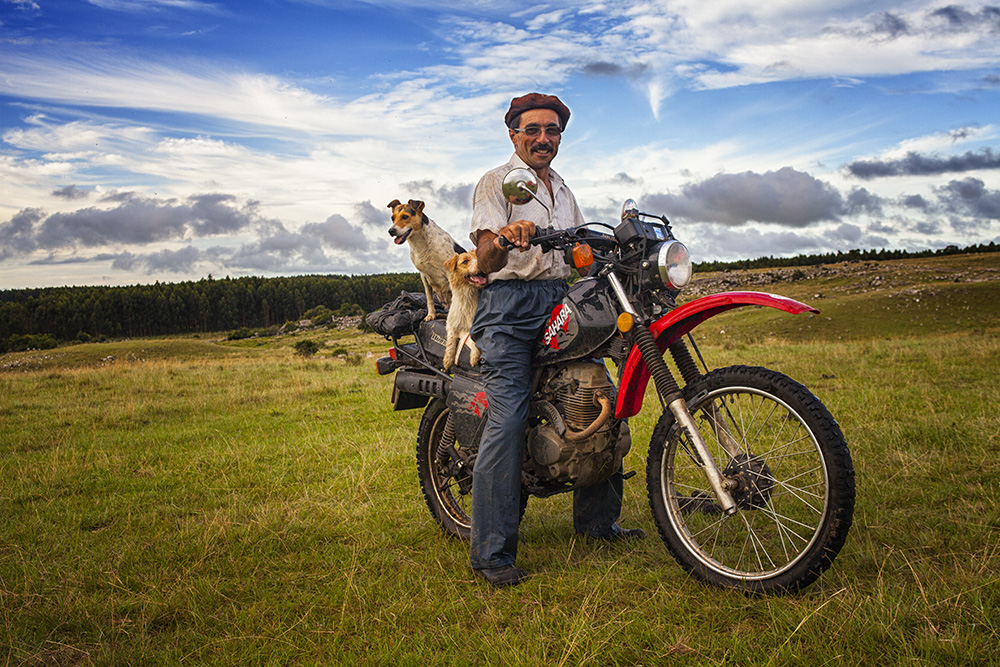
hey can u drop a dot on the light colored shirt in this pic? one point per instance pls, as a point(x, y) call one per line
point(491, 211)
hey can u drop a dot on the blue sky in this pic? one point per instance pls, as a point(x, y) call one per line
point(145, 140)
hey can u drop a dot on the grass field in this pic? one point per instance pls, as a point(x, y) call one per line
point(192, 501)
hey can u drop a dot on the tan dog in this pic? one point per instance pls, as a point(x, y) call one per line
point(430, 248)
point(466, 281)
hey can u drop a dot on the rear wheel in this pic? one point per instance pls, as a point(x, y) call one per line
point(790, 473)
point(445, 470)
point(445, 473)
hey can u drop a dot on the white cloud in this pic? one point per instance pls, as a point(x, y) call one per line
point(24, 4)
point(153, 5)
point(947, 141)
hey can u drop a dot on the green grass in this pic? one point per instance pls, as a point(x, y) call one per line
point(199, 502)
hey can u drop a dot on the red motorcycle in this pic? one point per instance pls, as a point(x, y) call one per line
point(748, 475)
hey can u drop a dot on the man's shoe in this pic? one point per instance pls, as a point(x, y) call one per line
point(619, 534)
point(506, 575)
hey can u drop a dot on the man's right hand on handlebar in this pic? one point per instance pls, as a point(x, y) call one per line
point(517, 233)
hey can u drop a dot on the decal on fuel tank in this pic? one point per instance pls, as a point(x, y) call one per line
point(558, 321)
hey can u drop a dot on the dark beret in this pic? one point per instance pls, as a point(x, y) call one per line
point(519, 105)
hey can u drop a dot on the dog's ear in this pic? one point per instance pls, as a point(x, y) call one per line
point(417, 206)
point(452, 262)
point(394, 203)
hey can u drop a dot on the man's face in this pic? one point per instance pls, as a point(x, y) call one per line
point(537, 152)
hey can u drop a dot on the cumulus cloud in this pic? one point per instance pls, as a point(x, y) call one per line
point(17, 236)
point(337, 233)
point(956, 17)
point(915, 201)
point(134, 220)
point(372, 216)
point(182, 260)
point(247, 241)
point(916, 164)
point(316, 247)
point(138, 220)
point(787, 197)
point(455, 196)
point(861, 200)
point(71, 192)
point(971, 196)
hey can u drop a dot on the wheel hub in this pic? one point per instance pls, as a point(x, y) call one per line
point(751, 481)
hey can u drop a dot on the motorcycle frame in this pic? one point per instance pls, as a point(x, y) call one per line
point(681, 320)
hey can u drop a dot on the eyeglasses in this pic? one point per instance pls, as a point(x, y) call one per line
point(534, 131)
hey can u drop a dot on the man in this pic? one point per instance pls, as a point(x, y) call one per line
point(524, 285)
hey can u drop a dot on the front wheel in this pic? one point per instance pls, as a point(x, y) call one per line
point(789, 471)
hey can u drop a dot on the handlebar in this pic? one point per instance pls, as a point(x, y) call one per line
point(550, 239)
point(546, 237)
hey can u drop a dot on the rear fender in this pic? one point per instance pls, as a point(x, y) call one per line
point(680, 321)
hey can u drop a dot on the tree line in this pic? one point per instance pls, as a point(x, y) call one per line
point(43, 317)
point(40, 318)
point(841, 256)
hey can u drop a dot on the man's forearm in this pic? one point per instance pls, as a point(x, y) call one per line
point(489, 255)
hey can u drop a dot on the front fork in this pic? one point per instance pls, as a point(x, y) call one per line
point(667, 387)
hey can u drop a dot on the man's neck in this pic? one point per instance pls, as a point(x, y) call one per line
point(543, 176)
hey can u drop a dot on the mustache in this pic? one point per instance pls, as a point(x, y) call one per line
point(542, 147)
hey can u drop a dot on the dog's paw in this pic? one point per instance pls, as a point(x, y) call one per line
point(430, 317)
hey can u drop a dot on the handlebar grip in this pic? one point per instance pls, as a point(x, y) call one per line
point(505, 242)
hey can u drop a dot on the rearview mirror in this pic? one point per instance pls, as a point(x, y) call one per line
point(520, 186)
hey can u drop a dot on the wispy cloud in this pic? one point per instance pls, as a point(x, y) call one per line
point(154, 5)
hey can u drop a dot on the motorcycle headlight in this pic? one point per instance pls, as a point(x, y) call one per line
point(673, 262)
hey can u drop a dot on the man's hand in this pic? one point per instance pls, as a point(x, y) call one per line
point(491, 255)
point(519, 233)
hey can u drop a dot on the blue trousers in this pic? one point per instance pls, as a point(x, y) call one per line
point(507, 327)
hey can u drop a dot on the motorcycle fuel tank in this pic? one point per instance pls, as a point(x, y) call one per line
point(586, 318)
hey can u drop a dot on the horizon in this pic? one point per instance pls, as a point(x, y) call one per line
point(167, 140)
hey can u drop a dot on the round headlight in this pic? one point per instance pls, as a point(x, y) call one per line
point(674, 264)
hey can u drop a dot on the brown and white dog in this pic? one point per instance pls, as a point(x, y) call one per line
point(430, 248)
point(466, 281)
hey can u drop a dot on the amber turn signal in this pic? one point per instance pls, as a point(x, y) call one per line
point(583, 256)
point(625, 322)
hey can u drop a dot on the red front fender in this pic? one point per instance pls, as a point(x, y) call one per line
point(678, 322)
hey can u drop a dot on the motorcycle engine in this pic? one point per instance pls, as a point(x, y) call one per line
point(575, 440)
